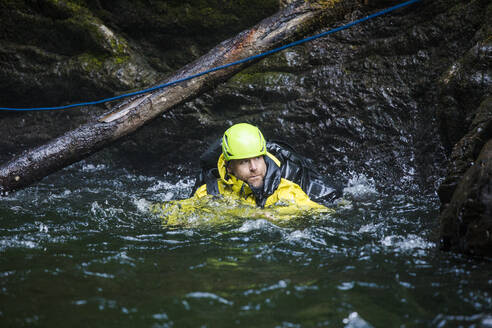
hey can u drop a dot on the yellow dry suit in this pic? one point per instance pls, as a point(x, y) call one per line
point(285, 195)
point(279, 200)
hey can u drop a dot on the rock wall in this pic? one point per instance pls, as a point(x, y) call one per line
point(56, 52)
point(465, 118)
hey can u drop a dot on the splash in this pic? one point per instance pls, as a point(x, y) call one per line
point(360, 186)
point(410, 243)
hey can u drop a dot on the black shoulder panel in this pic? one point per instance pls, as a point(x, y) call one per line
point(300, 170)
point(213, 187)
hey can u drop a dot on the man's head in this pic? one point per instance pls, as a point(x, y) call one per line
point(243, 147)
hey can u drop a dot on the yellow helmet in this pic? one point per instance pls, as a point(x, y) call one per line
point(243, 140)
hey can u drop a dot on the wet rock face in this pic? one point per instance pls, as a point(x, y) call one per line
point(467, 149)
point(463, 87)
point(362, 100)
point(465, 118)
point(54, 52)
point(466, 221)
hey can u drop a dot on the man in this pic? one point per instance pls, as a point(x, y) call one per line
point(252, 175)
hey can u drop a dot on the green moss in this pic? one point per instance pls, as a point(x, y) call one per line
point(68, 7)
point(325, 4)
point(93, 35)
point(120, 60)
point(263, 79)
point(90, 62)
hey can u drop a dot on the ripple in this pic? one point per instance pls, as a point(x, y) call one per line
point(259, 224)
point(17, 242)
point(88, 226)
point(281, 284)
point(210, 296)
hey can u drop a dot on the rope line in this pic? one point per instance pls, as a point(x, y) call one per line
point(261, 55)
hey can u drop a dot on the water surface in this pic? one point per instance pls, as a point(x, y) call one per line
point(80, 249)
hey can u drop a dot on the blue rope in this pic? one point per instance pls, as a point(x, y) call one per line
point(267, 53)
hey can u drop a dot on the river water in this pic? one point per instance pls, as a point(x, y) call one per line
point(80, 249)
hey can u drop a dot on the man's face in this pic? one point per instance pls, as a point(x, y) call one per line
point(251, 170)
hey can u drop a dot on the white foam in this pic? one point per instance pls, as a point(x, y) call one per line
point(301, 237)
point(260, 224)
point(370, 228)
point(360, 185)
point(142, 205)
point(346, 285)
point(160, 316)
point(487, 322)
point(354, 320)
point(410, 242)
point(42, 227)
point(160, 185)
point(93, 168)
point(16, 243)
point(99, 274)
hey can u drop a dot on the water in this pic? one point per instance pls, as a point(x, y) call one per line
point(80, 249)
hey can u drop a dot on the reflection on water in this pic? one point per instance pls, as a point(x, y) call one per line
point(81, 248)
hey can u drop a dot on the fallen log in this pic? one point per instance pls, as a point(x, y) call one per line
point(126, 117)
